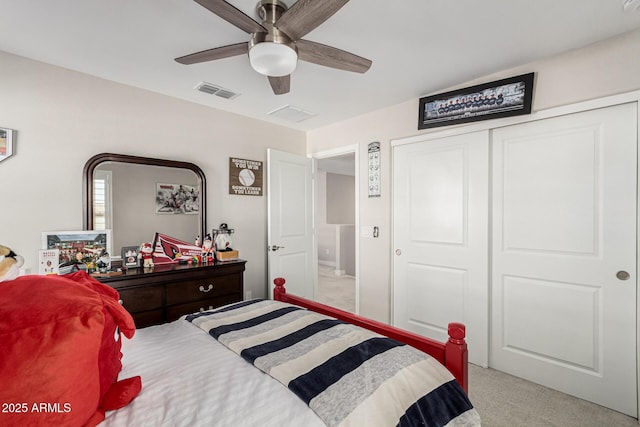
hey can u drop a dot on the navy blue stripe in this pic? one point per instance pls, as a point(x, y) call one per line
point(438, 407)
point(229, 307)
point(314, 382)
point(252, 353)
point(220, 330)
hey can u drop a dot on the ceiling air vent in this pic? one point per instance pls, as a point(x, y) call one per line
point(216, 90)
point(291, 113)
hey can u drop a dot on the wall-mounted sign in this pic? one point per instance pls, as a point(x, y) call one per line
point(374, 169)
point(245, 177)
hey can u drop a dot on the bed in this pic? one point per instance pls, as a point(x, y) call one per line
point(191, 378)
point(282, 362)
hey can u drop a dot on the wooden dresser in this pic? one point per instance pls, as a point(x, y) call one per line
point(167, 292)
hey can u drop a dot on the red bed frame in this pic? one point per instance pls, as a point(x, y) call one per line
point(452, 354)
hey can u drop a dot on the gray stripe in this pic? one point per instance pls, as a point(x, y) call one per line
point(236, 311)
point(332, 406)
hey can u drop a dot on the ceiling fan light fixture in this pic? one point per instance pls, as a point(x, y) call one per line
point(273, 59)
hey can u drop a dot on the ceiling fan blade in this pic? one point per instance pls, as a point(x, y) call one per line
point(331, 57)
point(232, 15)
point(215, 53)
point(305, 15)
point(280, 85)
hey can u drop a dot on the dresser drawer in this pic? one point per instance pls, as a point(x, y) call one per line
point(206, 288)
point(175, 311)
point(141, 299)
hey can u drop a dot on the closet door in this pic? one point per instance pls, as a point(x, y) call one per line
point(564, 254)
point(440, 223)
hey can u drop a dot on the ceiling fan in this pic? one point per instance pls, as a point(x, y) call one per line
point(276, 44)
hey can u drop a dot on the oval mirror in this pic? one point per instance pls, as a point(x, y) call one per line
point(136, 197)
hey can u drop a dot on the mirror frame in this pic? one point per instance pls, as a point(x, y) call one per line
point(95, 161)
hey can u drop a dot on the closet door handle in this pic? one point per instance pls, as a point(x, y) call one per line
point(623, 275)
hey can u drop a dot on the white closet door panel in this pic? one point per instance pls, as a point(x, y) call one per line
point(564, 224)
point(440, 220)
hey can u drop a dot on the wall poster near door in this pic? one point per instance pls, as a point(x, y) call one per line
point(374, 169)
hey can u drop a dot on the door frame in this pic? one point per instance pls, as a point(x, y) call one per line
point(347, 149)
point(608, 101)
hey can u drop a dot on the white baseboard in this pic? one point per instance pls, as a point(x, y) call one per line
point(327, 263)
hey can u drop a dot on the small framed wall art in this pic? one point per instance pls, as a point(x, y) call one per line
point(245, 177)
point(373, 151)
point(177, 199)
point(6, 143)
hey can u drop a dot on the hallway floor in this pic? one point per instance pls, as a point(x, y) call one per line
point(336, 291)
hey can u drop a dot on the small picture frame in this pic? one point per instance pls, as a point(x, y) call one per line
point(130, 256)
point(6, 143)
point(49, 261)
point(75, 246)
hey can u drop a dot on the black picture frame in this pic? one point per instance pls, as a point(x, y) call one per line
point(130, 256)
point(501, 98)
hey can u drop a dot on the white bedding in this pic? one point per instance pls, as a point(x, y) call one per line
point(190, 379)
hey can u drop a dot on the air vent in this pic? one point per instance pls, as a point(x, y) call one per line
point(216, 90)
point(291, 113)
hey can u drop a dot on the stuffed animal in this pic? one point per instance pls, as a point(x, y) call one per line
point(61, 342)
point(146, 254)
point(10, 264)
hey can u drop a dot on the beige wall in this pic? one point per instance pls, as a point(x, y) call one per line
point(342, 192)
point(63, 118)
point(602, 69)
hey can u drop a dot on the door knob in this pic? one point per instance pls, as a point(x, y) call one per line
point(623, 275)
point(274, 247)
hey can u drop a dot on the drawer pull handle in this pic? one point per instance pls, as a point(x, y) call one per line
point(120, 302)
point(203, 309)
point(209, 288)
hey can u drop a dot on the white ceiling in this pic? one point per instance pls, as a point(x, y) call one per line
point(417, 47)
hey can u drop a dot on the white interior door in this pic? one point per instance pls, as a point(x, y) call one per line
point(564, 254)
point(440, 225)
point(290, 222)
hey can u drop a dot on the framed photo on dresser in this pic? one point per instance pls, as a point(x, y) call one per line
point(130, 256)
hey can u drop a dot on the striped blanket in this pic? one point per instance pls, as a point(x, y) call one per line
point(348, 375)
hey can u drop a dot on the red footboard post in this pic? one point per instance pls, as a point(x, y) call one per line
point(456, 354)
point(279, 290)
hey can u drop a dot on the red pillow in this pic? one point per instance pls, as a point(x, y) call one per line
point(61, 351)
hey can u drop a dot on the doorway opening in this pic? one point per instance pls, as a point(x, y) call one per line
point(336, 225)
